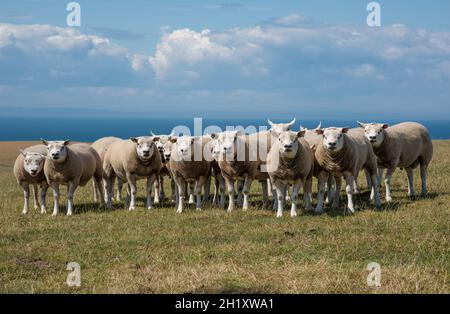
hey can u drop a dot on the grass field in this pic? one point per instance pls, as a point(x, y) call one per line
point(158, 251)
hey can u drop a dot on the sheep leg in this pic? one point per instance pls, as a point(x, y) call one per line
point(270, 187)
point(265, 193)
point(322, 178)
point(128, 197)
point(109, 188)
point(307, 194)
point(355, 185)
point(94, 187)
point(155, 184)
point(150, 182)
point(337, 192)
point(380, 176)
point(387, 182)
point(191, 193)
point(230, 188)
point(423, 177)
point(280, 188)
point(222, 192)
point(368, 178)
point(132, 186)
point(99, 183)
point(199, 184)
point(375, 194)
point(410, 174)
point(240, 186)
point(174, 191)
point(55, 188)
point(119, 190)
point(215, 199)
point(275, 198)
point(35, 196)
point(349, 179)
point(70, 191)
point(181, 184)
point(44, 188)
point(295, 189)
point(207, 188)
point(162, 194)
point(331, 185)
point(26, 197)
point(246, 191)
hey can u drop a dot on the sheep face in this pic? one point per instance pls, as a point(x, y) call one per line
point(288, 143)
point(184, 146)
point(33, 163)
point(333, 138)
point(167, 150)
point(57, 150)
point(229, 144)
point(145, 146)
point(215, 149)
point(374, 132)
point(161, 140)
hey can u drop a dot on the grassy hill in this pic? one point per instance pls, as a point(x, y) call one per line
point(154, 251)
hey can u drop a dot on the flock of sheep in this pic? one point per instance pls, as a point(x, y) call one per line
point(277, 158)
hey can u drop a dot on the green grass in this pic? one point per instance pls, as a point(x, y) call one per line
point(158, 251)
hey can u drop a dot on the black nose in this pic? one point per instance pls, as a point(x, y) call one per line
point(332, 144)
point(146, 152)
point(55, 155)
point(33, 171)
point(288, 146)
point(372, 138)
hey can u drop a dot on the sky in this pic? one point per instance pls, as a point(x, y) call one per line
point(313, 59)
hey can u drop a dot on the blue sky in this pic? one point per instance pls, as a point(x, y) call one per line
point(316, 59)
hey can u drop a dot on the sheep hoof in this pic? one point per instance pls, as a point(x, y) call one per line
point(150, 207)
point(43, 210)
point(199, 209)
point(388, 199)
point(24, 212)
point(293, 215)
point(179, 211)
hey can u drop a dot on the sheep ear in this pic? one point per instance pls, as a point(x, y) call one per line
point(151, 133)
point(345, 130)
point(290, 124)
point(301, 133)
point(213, 135)
point(237, 133)
point(362, 125)
point(192, 140)
point(134, 139)
point(302, 128)
point(171, 134)
point(44, 142)
point(66, 142)
point(319, 131)
point(22, 152)
point(319, 126)
point(173, 139)
point(385, 126)
point(156, 138)
point(270, 122)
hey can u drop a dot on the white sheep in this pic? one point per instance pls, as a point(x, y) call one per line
point(131, 160)
point(291, 161)
point(404, 145)
point(28, 170)
point(341, 154)
point(72, 165)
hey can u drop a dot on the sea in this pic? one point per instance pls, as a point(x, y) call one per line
point(89, 129)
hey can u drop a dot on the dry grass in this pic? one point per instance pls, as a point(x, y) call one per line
point(212, 251)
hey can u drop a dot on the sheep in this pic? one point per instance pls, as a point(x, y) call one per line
point(72, 165)
point(344, 153)
point(219, 186)
point(159, 183)
point(188, 164)
point(404, 145)
point(291, 161)
point(100, 146)
point(239, 160)
point(28, 169)
point(131, 160)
